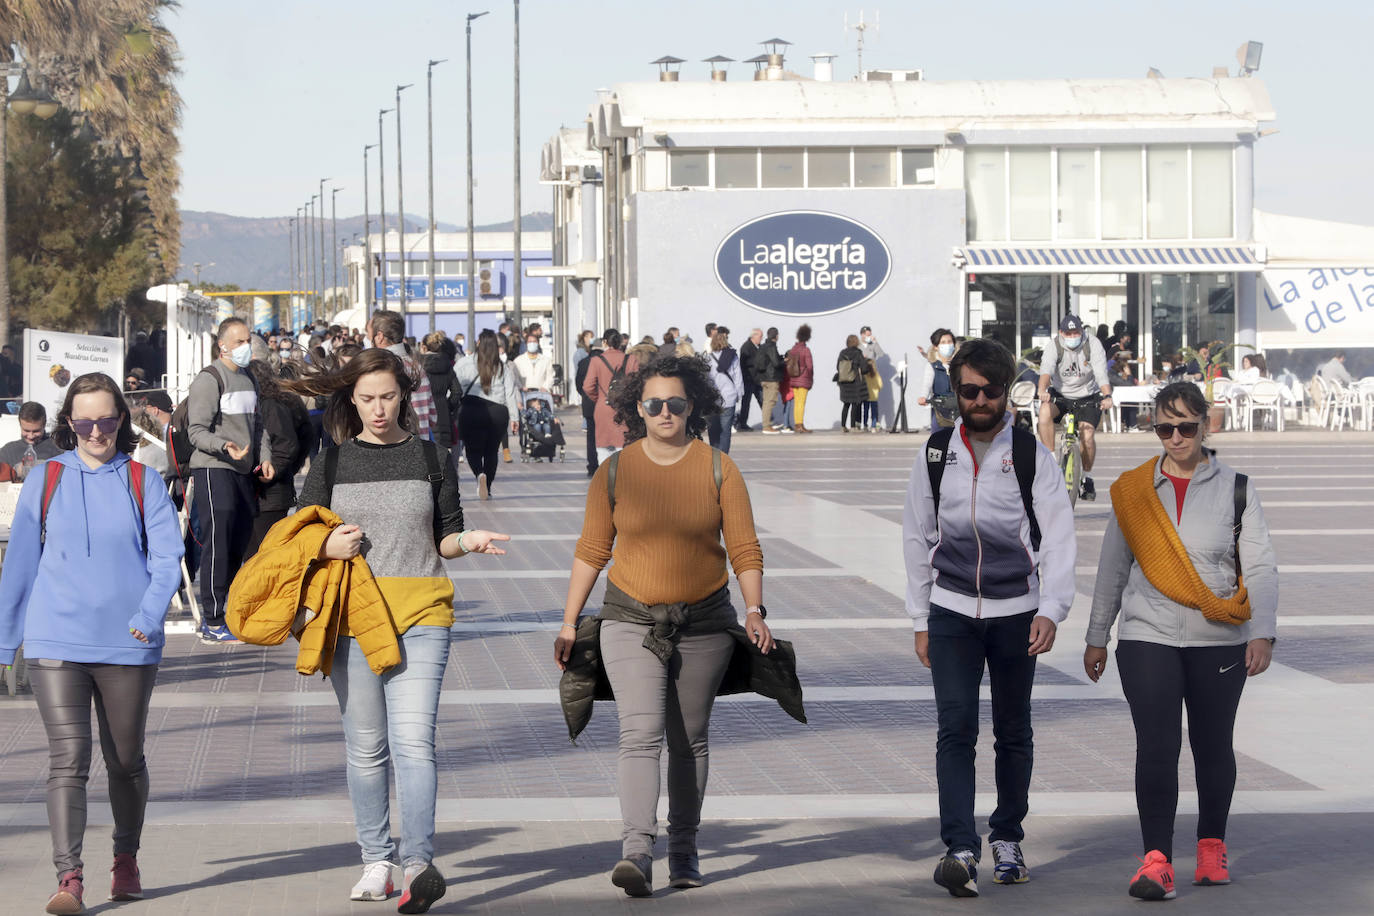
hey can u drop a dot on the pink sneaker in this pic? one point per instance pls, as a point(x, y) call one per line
point(124, 882)
point(67, 900)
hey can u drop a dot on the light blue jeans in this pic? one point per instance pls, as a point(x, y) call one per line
point(393, 712)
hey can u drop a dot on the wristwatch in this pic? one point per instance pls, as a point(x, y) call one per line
point(760, 610)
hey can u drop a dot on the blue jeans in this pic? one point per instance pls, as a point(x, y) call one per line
point(721, 426)
point(959, 648)
point(395, 711)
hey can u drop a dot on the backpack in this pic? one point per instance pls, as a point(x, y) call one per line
point(179, 447)
point(52, 474)
point(617, 377)
point(792, 362)
point(613, 463)
point(725, 359)
point(847, 373)
point(1022, 458)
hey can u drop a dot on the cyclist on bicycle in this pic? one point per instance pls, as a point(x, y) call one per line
point(1075, 370)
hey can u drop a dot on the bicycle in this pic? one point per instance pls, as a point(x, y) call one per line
point(1067, 450)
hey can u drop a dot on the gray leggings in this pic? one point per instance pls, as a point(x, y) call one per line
point(652, 700)
point(64, 691)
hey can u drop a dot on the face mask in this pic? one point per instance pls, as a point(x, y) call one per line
point(1166, 368)
point(241, 355)
point(1073, 343)
point(531, 347)
point(868, 338)
point(946, 350)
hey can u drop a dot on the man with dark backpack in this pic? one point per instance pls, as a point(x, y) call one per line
point(989, 544)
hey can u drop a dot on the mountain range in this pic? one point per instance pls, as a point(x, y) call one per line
point(255, 253)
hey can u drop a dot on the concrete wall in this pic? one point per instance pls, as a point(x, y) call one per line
point(676, 234)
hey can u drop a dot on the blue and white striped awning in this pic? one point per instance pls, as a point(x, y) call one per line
point(1109, 259)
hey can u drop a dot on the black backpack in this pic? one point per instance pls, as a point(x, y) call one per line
point(1022, 459)
point(179, 447)
point(617, 378)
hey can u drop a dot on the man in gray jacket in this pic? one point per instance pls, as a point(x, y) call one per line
point(226, 431)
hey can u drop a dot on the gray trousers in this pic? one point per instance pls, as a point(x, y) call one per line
point(64, 691)
point(654, 700)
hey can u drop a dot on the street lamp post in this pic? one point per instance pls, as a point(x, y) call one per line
point(429, 104)
point(324, 267)
point(472, 269)
point(299, 308)
point(334, 235)
point(310, 259)
point(291, 285)
point(24, 100)
point(515, 282)
point(401, 203)
point(368, 295)
point(381, 191)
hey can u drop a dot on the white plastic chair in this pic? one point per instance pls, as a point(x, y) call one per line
point(1344, 402)
point(1266, 394)
point(1023, 400)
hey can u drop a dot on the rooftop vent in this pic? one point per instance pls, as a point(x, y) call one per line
point(717, 66)
point(760, 66)
point(893, 76)
point(775, 47)
point(668, 67)
point(824, 66)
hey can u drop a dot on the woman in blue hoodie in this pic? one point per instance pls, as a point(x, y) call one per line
point(96, 533)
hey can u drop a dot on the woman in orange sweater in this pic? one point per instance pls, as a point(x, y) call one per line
point(659, 511)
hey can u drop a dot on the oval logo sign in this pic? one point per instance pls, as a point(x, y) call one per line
point(802, 262)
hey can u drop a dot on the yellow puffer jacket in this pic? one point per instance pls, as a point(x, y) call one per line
point(286, 590)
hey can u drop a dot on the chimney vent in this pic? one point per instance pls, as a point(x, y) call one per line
point(824, 63)
point(760, 66)
point(668, 67)
point(775, 47)
point(717, 66)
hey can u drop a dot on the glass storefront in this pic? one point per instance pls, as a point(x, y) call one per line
point(1189, 309)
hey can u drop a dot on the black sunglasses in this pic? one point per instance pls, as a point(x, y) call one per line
point(1166, 430)
point(654, 406)
point(84, 428)
point(992, 392)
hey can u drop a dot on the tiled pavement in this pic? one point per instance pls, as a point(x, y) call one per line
point(249, 810)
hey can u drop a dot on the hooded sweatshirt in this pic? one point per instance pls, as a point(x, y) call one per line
point(76, 597)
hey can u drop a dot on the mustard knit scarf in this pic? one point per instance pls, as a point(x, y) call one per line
point(1162, 557)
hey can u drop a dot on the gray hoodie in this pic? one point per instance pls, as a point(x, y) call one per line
point(1205, 529)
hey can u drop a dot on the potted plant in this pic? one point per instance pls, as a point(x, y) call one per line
point(1216, 363)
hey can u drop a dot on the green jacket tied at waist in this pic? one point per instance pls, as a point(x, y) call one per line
point(750, 671)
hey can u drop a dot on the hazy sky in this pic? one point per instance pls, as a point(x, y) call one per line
point(280, 94)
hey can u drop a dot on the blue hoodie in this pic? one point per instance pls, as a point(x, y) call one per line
point(77, 597)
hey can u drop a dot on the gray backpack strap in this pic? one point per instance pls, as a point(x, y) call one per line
point(716, 469)
point(611, 464)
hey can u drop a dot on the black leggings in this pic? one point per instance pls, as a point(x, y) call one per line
point(1158, 682)
point(483, 425)
point(851, 415)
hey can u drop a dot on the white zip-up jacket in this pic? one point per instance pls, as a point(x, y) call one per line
point(976, 559)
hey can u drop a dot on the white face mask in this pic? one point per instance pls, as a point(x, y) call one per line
point(868, 338)
point(531, 347)
point(1166, 368)
point(1073, 343)
point(946, 350)
point(241, 355)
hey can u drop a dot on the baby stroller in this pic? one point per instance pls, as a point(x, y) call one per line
point(541, 433)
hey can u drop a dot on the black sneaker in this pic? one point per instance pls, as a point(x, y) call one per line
point(684, 870)
point(958, 873)
point(1089, 491)
point(634, 875)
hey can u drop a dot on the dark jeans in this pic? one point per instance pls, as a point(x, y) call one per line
point(227, 505)
point(851, 415)
point(960, 647)
point(753, 391)
point(1158, 682)
point(261, 525)
point(719, 429)
point(592, 461)
point(483, 425)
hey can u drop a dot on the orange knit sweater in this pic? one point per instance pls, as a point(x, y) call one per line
point(665, 536)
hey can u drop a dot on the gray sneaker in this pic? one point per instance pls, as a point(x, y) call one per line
point(958, 873)
point(634, 875)
point(1008, 865)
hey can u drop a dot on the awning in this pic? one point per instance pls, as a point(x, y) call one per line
point(1109, 258)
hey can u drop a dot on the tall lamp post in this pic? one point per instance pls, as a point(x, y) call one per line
point(368, 296)
point(24, 100)
point(324, 268)
point(515, 284)
point(333, 236)
point(429, 104)
point(401, 203)
point(381, 191)
point(310, 259)
point(291, 285)
point(299, 308)
point(472, 268)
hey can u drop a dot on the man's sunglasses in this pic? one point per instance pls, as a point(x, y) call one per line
point(654, 406)
point(84, 428)
point(1166, 430)
point(992, 392)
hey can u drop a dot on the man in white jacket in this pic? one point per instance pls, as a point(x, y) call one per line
point(989, 544)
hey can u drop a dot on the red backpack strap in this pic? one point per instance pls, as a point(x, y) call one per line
point(52, 473)
point(136, 470)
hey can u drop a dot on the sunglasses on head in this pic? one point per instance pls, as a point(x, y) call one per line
point(992, 392)
point(1166, 430)
point(654, 406)
point(84, 428)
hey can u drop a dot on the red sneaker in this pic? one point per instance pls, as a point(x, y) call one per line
point(1155, 878)
point(1212, 867)
point(124, 882)
point(67, 900)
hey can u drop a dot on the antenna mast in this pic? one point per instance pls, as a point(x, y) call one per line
point(860, 28)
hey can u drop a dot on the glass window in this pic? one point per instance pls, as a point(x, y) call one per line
point(1166, 315)
point(1030, 193)
point(1212, 208)
point(1036, 301)
point(737, 168)
point(782, 168)
point(1211, 313)
point(873, 168)
point(454, 269)
point(1077, 205)
point(918, 166)
point(992, 308)
point(1166, 193)
point(985, 183)
point(827, 168)
point(417, 267)
point(1122, 207)
point(689, 168)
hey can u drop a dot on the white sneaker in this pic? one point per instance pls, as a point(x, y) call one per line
point(375, 884)
point(787, 430)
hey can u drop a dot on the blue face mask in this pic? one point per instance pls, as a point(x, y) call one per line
point(1073, 343)
point(947, 350)
point(241, 355)
point(531, 347)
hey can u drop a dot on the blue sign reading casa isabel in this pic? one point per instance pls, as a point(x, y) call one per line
point(802, 262)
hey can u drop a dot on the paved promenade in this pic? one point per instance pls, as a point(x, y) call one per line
point(249, 809)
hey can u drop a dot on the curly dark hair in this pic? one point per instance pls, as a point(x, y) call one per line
point(696, 382)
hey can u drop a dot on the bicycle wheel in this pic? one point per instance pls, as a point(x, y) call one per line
point(1069, 464)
